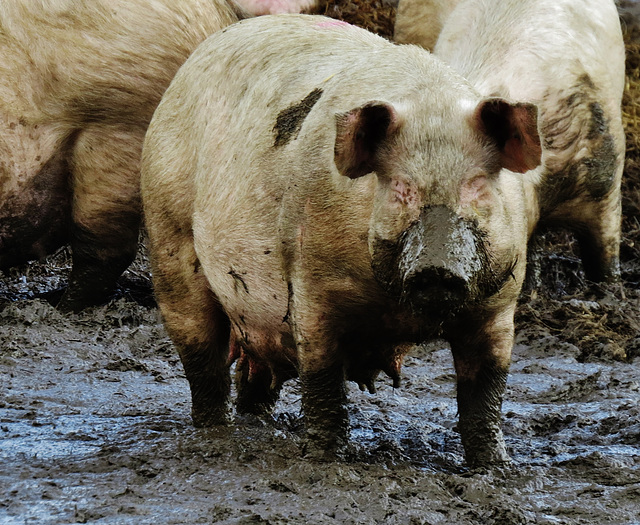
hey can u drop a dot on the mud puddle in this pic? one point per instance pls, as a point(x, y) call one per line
point(95, 428)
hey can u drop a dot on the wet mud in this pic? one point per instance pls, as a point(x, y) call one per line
point(95, 424)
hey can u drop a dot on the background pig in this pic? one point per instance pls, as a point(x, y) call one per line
point(420, 22)
point(273, 7)
point(568, 57)
point(274, 242)
point(79, 81)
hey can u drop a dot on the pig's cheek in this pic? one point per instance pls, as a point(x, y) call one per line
point(397, 206)
point(404, 202)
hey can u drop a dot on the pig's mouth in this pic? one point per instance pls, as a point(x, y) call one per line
point(438, 294)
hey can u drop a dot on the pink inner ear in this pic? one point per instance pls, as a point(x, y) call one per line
point(359, 135)
point(514, 156)
point(514, 129)
point(523, 147)
point(349, 148)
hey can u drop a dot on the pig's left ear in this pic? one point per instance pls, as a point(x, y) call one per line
point(360, 133)
point(514, 129)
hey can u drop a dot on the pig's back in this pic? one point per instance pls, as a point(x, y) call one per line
point(531, 43)
point(98, 60)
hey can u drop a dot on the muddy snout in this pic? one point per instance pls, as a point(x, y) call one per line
point(440, 261)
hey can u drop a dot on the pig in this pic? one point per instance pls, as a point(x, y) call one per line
point(274, 7)
point(79, 81)
point(420, 22)
point(310, 216)
point(567, 57)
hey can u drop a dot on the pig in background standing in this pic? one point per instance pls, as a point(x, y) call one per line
point(567, 56)
point(275, 7)
point(310, 215)
point(79, 81)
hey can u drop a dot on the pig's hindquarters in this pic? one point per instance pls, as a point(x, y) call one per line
point(235, 229)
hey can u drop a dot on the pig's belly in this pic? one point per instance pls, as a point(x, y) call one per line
point(244, 271)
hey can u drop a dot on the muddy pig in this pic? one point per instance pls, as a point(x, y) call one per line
point(310, 215)
point(568, 57)
point(79, 81)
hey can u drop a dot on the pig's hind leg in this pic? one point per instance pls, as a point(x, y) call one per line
point(196, 322)
point(105, 167)
point(599, 230)
point(257, 387)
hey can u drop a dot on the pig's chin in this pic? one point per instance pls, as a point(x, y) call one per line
point(434, 305)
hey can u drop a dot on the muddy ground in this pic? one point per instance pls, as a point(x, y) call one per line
point(95, 426)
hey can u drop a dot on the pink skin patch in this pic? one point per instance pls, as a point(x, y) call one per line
point(474, 191)
point(333, 23)
point(404, 193)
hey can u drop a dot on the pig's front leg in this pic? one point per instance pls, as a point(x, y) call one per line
point(324, 404)
point(324, 394)
point(481, 358)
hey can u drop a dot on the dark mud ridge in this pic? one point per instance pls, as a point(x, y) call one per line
point(95, 428)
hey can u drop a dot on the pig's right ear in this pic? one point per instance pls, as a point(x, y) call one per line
point(360, 133)
point(513, 127)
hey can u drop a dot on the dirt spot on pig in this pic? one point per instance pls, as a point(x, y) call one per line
point(290, 120)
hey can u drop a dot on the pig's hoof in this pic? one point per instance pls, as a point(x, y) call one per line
point(489, 459)
point(73, 303)
point(204, 419)
point(313, 453)
point(323, 450)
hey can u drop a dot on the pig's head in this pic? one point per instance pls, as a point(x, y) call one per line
point(441, 235)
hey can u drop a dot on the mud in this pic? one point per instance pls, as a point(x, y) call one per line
point(95, 424)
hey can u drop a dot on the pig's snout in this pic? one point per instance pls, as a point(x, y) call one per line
point(436, 287)
point(441, 258)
